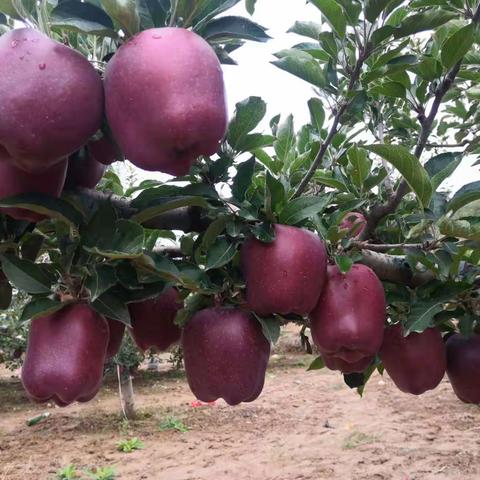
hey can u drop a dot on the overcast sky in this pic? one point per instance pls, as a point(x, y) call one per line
point(284, 93)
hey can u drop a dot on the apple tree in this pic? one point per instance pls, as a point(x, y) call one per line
point(347, 225)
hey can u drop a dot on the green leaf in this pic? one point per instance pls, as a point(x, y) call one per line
point(429, 69)
point(467, 194)
point(102, 278)
point(276, 192)
point(263, 231)
point(333, 14)
point(317, 364)
point(459, 229)
point(317, 113)
point(213, 231)
point(410, 168)
point(40, 307)
point(152, 13)
point(243, 179)
point(326, 178)
point(109, 305)
point(306, 29)
point(422, 315)
point(344, 263)
point(285, 139)
point(441, 166)
point(254, 141)
point(165, 206)
point(390, 89)
point(270, 328)
point(250, 6)
point(428, 20)
point(359, 165)
point(26, 275)
point(248, 114)
point(302, 208)
point(457, 45)
point(82, 17)
point(226, 28)
point(373, 9)
point(125, 13)
point(220, 253)
point(302, 65)
point(45, 205)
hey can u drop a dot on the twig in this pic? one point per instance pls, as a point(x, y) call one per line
point(383, 248)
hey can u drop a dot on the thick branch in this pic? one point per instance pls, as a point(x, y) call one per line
point(187, 219)
point(334, 128)
point(393, 268)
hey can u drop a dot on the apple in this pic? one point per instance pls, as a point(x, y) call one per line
point(102, 151)
point(165, 99)
point(354, 223)
point(14, 181)
point(83, 171)
point(415, 363)
point(65, 355)
point(286, 275)
point(153, 321)
point(463, 366)
point(348, 321)
point(51, 99)
point(116, 330)
point(225, 355)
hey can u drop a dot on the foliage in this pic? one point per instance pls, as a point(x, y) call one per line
point(173, 423)
point(130, 445)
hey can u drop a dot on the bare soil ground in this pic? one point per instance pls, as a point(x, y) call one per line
point(305, 426)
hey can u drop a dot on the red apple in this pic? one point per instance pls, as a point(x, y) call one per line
point(286, 275)
point(51, 99)
point(354, 223)
point(165, 99)
point(415, 363)
point(153, 321)
point(225, 355)
point(347, 323)
point(65, 355)
point(102, 150)
point(463, 366)
point(14, 181)
point(83, 171)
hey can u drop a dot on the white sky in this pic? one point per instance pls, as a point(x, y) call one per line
point(284, 93)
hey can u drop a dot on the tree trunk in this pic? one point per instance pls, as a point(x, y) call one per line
point(125, 389)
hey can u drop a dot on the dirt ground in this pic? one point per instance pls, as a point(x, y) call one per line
point(305, 426)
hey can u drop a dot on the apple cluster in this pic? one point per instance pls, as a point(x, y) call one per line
point(162, 95)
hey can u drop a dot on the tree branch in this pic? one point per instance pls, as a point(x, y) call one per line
point(383, 248)
point(363, 55)
point(187, 219)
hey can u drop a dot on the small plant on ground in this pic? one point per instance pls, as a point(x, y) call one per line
point(130, 445)
point(173, 423)
point(67, 473)
point(102, 473)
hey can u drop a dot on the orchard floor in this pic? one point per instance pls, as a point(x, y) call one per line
point(305, 426)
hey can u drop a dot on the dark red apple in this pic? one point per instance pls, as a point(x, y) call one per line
point(14, 181)
point(153, 321)
point(354, 223)
point(463, 366)
point(102, 150)
point(225, 355)
point(65, 355)
point(415, 363)
point(116, 330)
point(286, 275)
point(51, 99)
point(348, 322)
point(83, 171)
point(165, 99)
